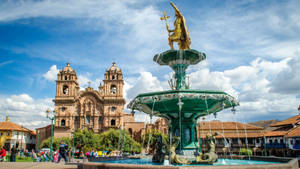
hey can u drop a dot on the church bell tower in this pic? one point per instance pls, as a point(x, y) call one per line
point(67, 88)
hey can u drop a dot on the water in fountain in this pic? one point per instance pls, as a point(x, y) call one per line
point(226, 144)
point(150, 134)
point(236, 127)
point(246, 141)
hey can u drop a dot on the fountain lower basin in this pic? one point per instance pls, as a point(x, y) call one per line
point(238, 162)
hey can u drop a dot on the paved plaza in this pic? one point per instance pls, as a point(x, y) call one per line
point(35, 165)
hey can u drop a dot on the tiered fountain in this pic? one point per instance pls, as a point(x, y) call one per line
point(182, 106)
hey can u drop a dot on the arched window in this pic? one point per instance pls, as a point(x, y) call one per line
point(113, 77)
point(130, 131)
point(65, 89)
point(113, 89)
point(113, 122)
point(63, 109)
point(66, 78)
point(88, 119)
point(113, 109)
point(63, 122)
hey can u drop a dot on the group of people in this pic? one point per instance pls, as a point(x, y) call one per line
point(40, 156)
point(44, 156)
point(13, 153)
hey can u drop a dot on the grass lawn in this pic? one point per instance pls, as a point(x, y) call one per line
point(21, 159)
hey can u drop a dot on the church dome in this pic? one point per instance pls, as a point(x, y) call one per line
point(114, 67)
point(67, 68)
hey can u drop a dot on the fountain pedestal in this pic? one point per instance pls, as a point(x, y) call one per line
point(181, 105)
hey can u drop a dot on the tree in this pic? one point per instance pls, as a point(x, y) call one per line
point(56, 142)
point(153, 135)
point(86, 139)
point(111, 140)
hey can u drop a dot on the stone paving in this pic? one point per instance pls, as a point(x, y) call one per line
point(36, 165)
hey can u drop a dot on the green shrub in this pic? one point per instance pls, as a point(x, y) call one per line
point(245, 151)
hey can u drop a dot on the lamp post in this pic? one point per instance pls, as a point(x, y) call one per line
point(73, 151)
point(37, 144)
point(21, 153)
point(51, 116)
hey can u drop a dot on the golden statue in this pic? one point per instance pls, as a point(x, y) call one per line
point(180, 33)
point(2, 140)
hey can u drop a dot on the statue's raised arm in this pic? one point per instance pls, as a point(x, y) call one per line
point(180, 34)
point(176, 9)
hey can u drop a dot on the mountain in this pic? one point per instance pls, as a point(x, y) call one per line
point(265, 124)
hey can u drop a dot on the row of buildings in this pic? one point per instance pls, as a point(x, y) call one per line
point(283, 140)
point(103, 108)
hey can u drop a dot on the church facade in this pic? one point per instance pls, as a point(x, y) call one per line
point(96, 110)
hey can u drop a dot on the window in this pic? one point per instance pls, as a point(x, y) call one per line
point(276, 141)
point(113, 109)
point(88, 119)
point(270, 141)
point(257, 141)
point(281, 141)
point(130, 131)
point(113, 89)
point(63, 109)
point(66, 78)
point(63, 122)
point(113, 122)
point(113, 77)
point(187, 135)
point(65, 89)
point(291, 141)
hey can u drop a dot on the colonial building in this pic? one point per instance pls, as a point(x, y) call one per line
point(17, 135)
point(285, 139)
point(92, 109)
point(232, 136)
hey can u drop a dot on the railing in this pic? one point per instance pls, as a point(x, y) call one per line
point(296, 146)
point(275, 145)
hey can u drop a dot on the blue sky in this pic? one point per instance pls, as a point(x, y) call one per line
point(252, 50)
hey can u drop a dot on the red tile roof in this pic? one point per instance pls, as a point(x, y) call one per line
point(235, 134)
point(10, 126)
point(290, 121)
point(274, 133)
point(207, 125)
point(294, 132)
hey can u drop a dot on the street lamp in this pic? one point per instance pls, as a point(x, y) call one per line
point(21, 153)
point(51, 115)
point(73, 151)
point(37, 147)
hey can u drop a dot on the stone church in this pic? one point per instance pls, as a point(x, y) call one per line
point(96, 110)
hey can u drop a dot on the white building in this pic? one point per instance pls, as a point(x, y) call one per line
point(17, 135)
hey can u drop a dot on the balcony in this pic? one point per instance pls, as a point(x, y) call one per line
point(296, 146)
point(276, 145)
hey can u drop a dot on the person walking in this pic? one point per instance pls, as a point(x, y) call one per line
point(13, 153)
point(2, 154)
point(63, 152)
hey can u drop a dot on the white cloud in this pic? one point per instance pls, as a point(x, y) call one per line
point(83, 81)
point(288, 80)
point(24, 110)
point(146, 82)
point(51, 75)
